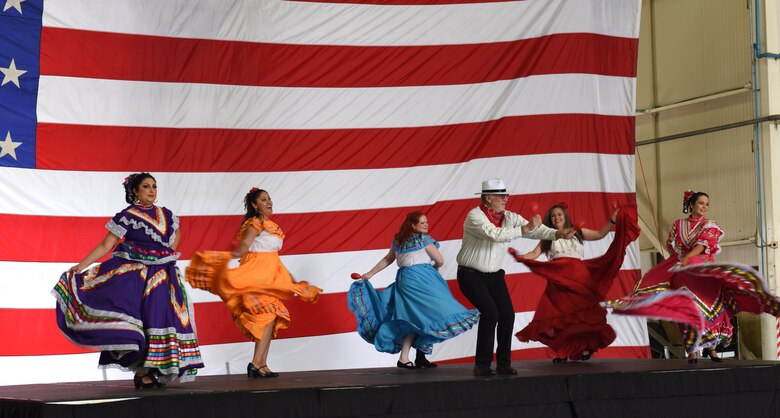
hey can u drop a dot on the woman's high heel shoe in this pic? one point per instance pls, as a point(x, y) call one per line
point(255, 372)
point(147, 381)
point(267, 372)
point(252, 371)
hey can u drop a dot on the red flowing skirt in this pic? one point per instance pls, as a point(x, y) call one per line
point(569, 318)
point(701, 297)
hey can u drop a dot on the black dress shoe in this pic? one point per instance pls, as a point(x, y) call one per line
point(424, 363)
point(506, 371)
point(407, 365)
point(560, 360)
point(483, 371)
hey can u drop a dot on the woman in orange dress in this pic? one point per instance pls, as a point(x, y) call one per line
point(253, 291)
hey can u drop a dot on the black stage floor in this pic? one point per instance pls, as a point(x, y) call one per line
point(597, 388)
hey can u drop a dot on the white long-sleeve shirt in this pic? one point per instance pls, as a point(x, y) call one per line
point(485, 245)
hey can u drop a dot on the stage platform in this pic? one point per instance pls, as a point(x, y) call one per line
point(597, 388)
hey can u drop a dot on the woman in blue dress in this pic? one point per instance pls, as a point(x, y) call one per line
point(417, 310)
point(133, 307)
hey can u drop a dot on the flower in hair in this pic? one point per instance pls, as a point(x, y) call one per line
point(563, 205)
point(688, 194)
point(253, 189)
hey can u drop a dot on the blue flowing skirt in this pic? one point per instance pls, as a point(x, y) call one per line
point(418, 303)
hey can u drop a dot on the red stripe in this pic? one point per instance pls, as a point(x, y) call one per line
point(323, 232)
point(329, 316)
point(111, 148)
point(103, 55)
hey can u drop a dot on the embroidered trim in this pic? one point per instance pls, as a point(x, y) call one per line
point(155, 281)
point(261, 225)
point(115, 229)
point(414, 243)
point(149, 231)
point(87, 318)
point(160, 223)
point(683, 237)
point(171, 351)
point(181, 310)
point(165, 260)
point(190, 305)
point(91, 280)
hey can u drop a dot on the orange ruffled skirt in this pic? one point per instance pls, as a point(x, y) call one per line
point(253, 291)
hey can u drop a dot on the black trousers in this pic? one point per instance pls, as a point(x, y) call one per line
point(488, 293)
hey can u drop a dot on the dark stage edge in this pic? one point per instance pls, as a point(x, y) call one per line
point(597, 388)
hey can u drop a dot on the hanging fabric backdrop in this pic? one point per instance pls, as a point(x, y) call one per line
point(349, 114)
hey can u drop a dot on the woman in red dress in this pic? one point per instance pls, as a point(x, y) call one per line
point(569, 318)
point(691, 289)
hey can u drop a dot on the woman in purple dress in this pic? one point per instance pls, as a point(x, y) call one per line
point(133, 307)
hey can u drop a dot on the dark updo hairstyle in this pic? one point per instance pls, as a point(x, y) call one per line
point(406, 231)
point(545, 245)
point(250, 198)
point(132, 182)
point(689, 199)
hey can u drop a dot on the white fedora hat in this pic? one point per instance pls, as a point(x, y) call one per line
point(493, 186)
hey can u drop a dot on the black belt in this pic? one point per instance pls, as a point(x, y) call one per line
point(470, 270)
point(474, 271)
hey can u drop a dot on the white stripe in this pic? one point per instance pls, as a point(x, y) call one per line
point(87, 101)
point(27, 285)
point(328, 352)
point(347, 24)
point(100, 194)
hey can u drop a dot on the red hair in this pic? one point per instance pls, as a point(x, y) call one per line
point(407, 227)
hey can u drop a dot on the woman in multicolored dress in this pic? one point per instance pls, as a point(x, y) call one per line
point(253, 291)
point(133, 307)
point(417, 310)
point(690, 288)
point(568, 318)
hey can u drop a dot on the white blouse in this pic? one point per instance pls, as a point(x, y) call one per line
point(412, 258)
point(266, 243)
point(566, 248)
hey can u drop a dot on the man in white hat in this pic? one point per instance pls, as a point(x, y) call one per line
point(487, 232)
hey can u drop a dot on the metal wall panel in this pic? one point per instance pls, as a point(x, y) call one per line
point(688, 50)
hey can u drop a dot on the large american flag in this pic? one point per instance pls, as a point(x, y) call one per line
point(350, 113)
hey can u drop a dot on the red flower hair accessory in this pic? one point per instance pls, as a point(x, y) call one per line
point(687, 195)
point(563, 205)
point(253, 189)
